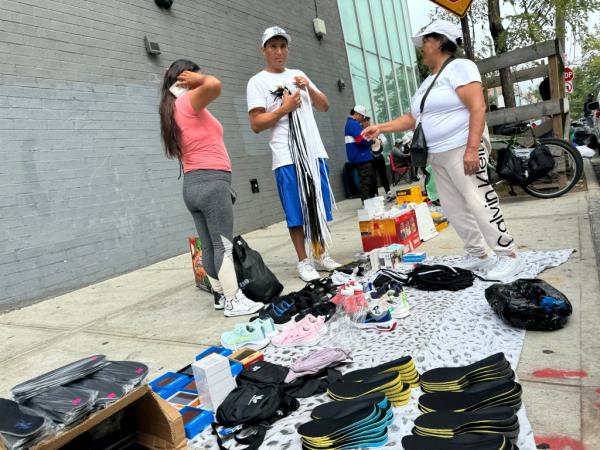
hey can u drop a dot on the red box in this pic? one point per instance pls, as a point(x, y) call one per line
point(377, 233)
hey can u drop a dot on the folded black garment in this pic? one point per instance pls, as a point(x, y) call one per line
point(499, 420)
point(127, 373)
point(482, 395)
point(461, 442)
point(107, 391)
point(64, 405)
point(58, 377)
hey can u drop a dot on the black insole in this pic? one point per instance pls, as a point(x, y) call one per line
point(508, 392)
point(124, 372)
point(445, 420)
point(461, 442)
point(108, 391)
point(377, 383)
point(15, 422)
point(400, 364)
point(335, 428)
point(58, 377)
point(338, 409)
point(446, 374)
point(64, 404)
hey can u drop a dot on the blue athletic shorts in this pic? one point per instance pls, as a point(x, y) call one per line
point(287, 186)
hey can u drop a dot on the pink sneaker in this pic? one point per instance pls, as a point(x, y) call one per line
point(305, 333)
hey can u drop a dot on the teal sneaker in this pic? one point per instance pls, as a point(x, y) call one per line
point(267, 324)
point(249, 335)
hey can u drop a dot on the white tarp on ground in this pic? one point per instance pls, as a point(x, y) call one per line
point(444, 329)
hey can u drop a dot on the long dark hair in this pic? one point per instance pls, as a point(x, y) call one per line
point(168, 127)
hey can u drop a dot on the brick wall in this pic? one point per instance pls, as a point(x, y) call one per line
point(85, 191)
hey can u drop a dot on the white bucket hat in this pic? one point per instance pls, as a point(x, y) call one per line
point(443, 27)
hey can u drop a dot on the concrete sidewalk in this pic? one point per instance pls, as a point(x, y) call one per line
point(157, 315)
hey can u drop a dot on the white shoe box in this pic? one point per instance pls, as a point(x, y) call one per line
point(213, 380)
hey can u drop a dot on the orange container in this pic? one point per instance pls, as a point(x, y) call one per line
point(377, 233)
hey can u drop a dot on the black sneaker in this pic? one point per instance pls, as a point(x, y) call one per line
point(219, 300)
point(281, 312)
point(325, 309)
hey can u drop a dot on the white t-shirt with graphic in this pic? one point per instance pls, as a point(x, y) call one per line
point(445, 117)
point(259, 95)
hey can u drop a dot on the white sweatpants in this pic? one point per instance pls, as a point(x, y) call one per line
point(471, 203)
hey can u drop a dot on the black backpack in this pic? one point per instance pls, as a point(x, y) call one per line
point(253, 405)
point(440, 278)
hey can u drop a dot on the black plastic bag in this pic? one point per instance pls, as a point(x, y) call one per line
point(511, 167)
point(540, 163)
point(256, 280)
point(531, 304)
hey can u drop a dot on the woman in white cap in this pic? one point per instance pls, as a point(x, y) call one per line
point(452, 118)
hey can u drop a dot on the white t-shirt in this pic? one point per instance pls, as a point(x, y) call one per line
point(258, 94)
point(445, 118)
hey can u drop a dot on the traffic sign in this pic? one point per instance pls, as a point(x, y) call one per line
point(458, 7)
point(569, 74)
point(568, 87)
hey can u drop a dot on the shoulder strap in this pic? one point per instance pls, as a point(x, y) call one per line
point(448, 61)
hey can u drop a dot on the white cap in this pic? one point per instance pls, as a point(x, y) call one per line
point(274, 31)
point(443, 27)
point(360, 109)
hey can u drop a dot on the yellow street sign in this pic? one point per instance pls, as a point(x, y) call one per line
point(458, 7)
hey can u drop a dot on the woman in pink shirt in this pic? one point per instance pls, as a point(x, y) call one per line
point(195, 137)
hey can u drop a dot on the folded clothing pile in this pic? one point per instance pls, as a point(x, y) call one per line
point(393, 378)
point(21, 428)
point(358, 423)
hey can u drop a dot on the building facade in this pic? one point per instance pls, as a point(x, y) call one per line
point(383, 62)
point(85, 190)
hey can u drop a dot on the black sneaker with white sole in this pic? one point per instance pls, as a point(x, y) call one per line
point(219, 300)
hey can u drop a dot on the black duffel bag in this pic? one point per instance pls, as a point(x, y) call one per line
point(254, 277)
point(531, 304)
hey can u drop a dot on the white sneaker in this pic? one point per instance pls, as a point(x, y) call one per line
point(241, 305)
point(327, 263)
point(474, 263)
point(307, 271)
point(505, 269)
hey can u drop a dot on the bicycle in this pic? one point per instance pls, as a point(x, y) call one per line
point(567, 170)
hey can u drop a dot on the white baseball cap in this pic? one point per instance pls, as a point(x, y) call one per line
point(274, 31)
point(360, 109)
point(443, 27)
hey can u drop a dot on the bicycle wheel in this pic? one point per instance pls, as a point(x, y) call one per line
point(566, 173)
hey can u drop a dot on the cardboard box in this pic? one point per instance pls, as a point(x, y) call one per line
point(159, 425)
point(409, 195)
point(379, 233)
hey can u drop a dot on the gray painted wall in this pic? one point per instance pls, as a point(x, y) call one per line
point(85, 191)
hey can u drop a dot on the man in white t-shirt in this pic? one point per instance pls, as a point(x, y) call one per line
point(272, 94)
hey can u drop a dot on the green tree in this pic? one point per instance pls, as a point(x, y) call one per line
point(587, 75)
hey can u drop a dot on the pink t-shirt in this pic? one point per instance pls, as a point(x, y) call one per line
point(201, 138)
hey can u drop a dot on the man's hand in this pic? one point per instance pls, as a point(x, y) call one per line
point(471, 161)
point(371, 132)
point(290, 102)
point(190, 80)
point(301, 82)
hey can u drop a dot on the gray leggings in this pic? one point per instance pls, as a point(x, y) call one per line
point(207, 195)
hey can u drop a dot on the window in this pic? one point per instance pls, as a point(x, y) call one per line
point(359, 77)
point(379, 27)
point(392, 30)
point(349, 25)
point(366, 27)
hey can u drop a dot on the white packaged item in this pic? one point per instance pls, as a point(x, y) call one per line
point(425, 222)
point(213, 380)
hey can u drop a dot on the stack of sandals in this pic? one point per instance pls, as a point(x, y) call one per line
point(394, 379)
point(359, 423)
point(468, 408)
